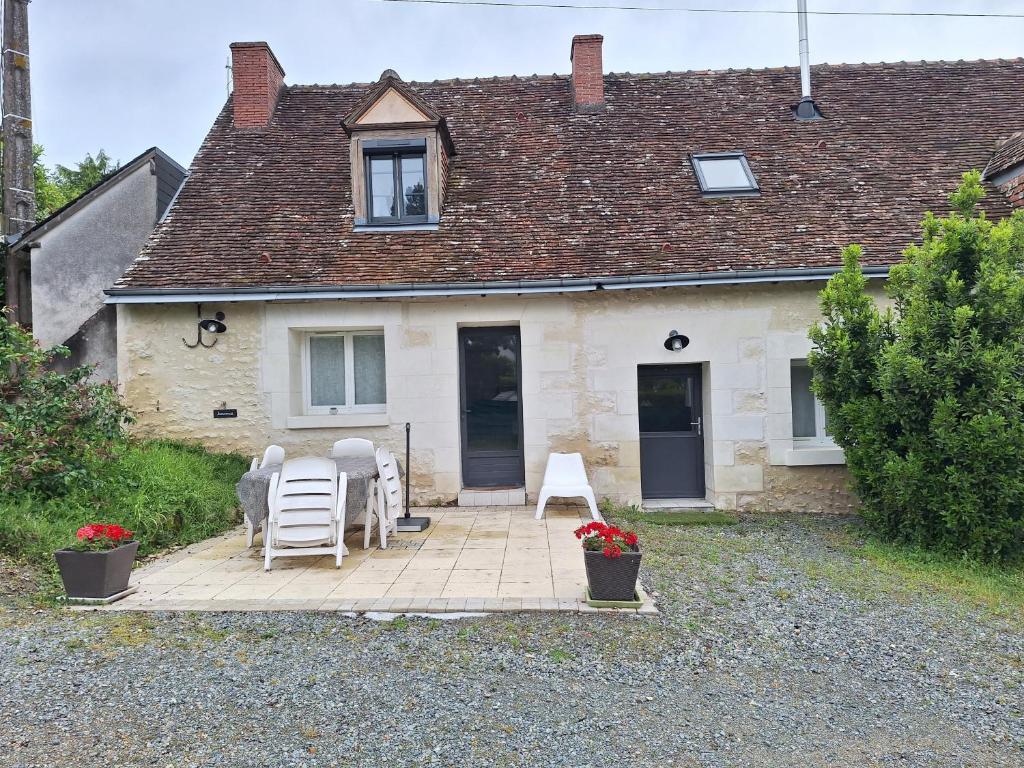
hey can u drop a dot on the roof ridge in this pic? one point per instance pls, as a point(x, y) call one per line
point(863, 65)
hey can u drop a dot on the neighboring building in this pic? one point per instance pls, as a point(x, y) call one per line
point(58, 270)
point(501, 261)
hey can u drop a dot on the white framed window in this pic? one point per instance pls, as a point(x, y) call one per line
point(344, 372)
point(810, 423)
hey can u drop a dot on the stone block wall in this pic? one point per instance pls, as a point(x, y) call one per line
point(580, 354)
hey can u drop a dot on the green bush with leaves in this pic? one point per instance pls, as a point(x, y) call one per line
point(53, 426)
point(927, 398)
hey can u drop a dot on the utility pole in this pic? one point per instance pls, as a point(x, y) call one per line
point(19, 205)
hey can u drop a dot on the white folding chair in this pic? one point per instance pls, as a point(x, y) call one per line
point(389, 500)
point(566, 477)
point(307, 511)
point(352, 447)
point(273, 455)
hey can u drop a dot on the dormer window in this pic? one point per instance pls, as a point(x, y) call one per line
point(396, 173)
point(724, 174)
point(400, 153)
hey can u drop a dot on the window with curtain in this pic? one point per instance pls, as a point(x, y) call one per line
point(810, 424)
point(345, 372)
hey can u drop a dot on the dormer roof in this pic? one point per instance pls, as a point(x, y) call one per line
point(391, 103)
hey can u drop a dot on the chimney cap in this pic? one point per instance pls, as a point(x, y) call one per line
point(389, 73)
point(265, 46)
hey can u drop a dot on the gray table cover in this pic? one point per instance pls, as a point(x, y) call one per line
point(252, 488)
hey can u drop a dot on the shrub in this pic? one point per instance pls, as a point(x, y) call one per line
point(167, 493)
point(928, 400)
point(53, 426)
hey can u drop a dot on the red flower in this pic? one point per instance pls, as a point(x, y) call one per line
point(99, 536)
point(612, 551)
point(631, 538)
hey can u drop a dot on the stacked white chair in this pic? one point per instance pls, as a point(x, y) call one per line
point(389, 500)
point(352, 447)
point(566, 477)
point(307, 511)
point(273, 455)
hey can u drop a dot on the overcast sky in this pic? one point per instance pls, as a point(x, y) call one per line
point(124, 75)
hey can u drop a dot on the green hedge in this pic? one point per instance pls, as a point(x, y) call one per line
point(168, 493)
point(927, 398)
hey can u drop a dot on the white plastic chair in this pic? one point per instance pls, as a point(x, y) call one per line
point(274, 454)
point(566, 478)
point(351, 447)
point(307, 511)
point(389, 500)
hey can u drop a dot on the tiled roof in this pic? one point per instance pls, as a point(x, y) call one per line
point(539, 192)
point(1008, 154)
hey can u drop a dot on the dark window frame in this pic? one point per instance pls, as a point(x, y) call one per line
point(751, 190)
point(396, 150)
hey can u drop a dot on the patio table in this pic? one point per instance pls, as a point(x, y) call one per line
point(361, 470)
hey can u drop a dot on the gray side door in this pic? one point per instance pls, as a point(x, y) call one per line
point(671, 431)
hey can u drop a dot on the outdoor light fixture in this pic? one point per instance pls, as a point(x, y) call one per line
point(214, 325)
point(676, 341)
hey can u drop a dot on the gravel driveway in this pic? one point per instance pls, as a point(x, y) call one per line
point(775, 648)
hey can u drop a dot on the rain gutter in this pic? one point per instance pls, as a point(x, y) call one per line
point(507, 287)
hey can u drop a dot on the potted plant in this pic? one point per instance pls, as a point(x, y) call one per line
point(99, 563)
point(612, 559)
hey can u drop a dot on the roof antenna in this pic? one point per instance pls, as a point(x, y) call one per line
point(227, 69)
point(806, 109)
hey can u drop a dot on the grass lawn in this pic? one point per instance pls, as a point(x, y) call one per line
point(168, 493)
point(996, 589)
point(871, 570)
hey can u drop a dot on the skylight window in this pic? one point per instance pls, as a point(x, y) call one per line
point(722, 174)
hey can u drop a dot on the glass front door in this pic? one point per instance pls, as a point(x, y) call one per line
point(492, 417)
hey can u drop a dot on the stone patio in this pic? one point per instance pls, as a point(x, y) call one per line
point(469, 559)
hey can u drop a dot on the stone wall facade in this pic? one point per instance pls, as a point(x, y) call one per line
point(580, 353)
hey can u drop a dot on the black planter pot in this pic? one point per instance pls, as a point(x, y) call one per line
point(612, 578)
point(96, 574)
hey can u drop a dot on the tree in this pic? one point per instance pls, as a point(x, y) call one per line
point(927, 398)
point(60, 186)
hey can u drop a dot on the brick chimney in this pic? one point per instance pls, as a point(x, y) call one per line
point(587, 72)
point(257, 79)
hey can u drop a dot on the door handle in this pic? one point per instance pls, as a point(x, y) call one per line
point(699, 424)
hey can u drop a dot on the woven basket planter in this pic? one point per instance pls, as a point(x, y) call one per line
point(612, 578)
point(96, 574)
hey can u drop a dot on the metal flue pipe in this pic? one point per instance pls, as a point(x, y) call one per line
point(805, 55)
point(806, 109)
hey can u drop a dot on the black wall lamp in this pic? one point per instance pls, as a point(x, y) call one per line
point(676, 341)
point(211, 325)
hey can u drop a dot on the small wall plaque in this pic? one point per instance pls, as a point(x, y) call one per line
point(225, 413)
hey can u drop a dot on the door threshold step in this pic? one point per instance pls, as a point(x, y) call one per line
point(668, 504)
point(498, 497)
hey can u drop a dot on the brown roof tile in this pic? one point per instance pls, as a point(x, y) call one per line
point(538, 191)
